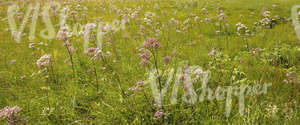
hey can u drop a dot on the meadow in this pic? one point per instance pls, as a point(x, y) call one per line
point(65, 62)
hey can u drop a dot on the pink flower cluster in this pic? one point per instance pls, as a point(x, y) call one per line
point(145, 55)
point(90, 52)
point(69, 46)
point(9, 112)
point(159, 114)
point(95, 53)
point(167, 59)
point(152, 43)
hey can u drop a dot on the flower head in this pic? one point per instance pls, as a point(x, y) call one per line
point(243, 30)
point(90, 51)
point(212, 52)
point(145, 55)
point(159, 114)
point(9, 112)
point(222, 16)
point(266, 13)
point(95, 53)
point(64, 34)
point(44, 61)
point(167, 59)
point(152, 43)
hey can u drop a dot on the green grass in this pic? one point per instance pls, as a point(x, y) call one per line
point(75, 100)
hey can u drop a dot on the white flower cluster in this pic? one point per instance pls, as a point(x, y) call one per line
point(266, 13)
point(243, 30)
point(272, 110)
point(149, 17)
point(44, 61)
point(135, 13)
point(173, 21)
point(265, 21)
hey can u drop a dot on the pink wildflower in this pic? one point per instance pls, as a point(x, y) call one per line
point(9, 112)
point(167, 59)
point(152, 42)
point(159, 114)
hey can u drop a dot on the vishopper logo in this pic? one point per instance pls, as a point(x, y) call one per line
point(87, 30)
point(296, 19)
point(187, 76)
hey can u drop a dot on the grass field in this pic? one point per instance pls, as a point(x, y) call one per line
point(246, 49)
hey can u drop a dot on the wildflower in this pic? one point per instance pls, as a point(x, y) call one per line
point(89, 27)
point(196, 18)
point(265, 21)
point(159, 114)
point(138, 86)
point(90, 51)
point(108, 28)
point(140, 83)
point(143, 62)
point(222, 16)
point(242, 60)
point(153, 43)
point(174, 21)
point(266, 13)
point(146, 54)
point(108, 53)
point(204, 10)
point(186, 21)
point(13, 61)
point(95, 53)
point(9, 112)
point(44, 61)
point(256, 50)
point(206, 20)
point(272, 110)
point(63, 33)
point(212, 52)
point(43, 70)
point(242, 29)
point(167, 59)
point(31, 45)
point(174, 52)
point(69, 46)
point(291, 75)
point(23, 77)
